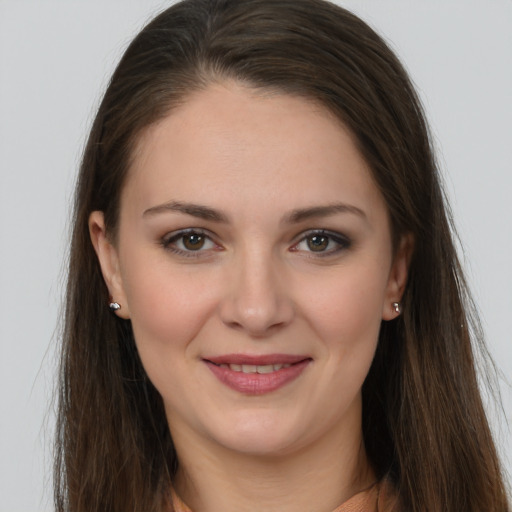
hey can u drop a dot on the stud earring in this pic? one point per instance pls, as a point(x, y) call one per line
point(397, 307)
point(114, 306)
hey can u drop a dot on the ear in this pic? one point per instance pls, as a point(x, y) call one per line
point(109, 262)
point(397, 277)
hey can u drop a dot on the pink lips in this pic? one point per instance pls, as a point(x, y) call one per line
point(257, 383)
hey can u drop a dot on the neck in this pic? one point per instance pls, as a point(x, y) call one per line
point(316, 477)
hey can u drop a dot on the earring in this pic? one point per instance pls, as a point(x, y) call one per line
point(397, 307)
point(114, 306)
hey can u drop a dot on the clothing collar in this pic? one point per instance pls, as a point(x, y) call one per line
point(380, 497)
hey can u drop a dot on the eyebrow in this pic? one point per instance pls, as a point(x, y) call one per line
point(294, 217)
point(322, 211)
point(195, 210)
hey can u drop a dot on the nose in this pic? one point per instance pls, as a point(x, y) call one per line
point(257, 298)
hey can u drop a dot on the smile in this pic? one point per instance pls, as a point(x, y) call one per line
point(257, 375)
point(251, 368)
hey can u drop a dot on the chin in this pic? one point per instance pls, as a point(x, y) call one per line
point(258, 435)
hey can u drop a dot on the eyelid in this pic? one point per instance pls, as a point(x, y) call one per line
point(168, 239)
point(343, 241)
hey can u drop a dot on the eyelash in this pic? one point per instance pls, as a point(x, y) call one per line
point(342, 242)
point(169, 241)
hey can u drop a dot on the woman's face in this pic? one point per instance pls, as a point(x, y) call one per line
point(255, 262)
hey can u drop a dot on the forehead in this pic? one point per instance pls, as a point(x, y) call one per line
point(229, 141)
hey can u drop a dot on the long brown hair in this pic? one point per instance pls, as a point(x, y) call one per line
point(423, 420)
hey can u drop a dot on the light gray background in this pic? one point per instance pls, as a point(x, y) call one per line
point(55, 59)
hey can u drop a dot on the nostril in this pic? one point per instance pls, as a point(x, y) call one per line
point(234, 325)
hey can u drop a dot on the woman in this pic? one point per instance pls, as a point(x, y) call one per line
point(265, 308)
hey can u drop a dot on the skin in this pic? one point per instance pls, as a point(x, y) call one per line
point(256, 286)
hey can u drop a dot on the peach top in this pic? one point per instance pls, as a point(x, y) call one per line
point(380, 497)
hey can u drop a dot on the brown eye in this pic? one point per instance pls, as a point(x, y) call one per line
point(189, 243)
point(317, 243)
point(193, 241)
point(322, 243)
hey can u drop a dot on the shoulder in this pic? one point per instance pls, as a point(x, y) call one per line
point(387, 499)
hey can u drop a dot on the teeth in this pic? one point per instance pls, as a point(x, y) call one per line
point(269, 368)
point(252, 368)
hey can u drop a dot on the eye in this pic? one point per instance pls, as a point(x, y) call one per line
point(187, 242)
point(192, 241)
point(322, 242)
point(318, 243)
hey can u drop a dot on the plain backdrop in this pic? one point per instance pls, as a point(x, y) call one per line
point(55, 60)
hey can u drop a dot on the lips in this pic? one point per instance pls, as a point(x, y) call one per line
point(256, 375)
point(262, 360)
point(252, 368)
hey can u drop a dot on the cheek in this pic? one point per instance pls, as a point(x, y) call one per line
point(346, 311)
point(168, 306)
point(348, 317)
point(167, 311)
